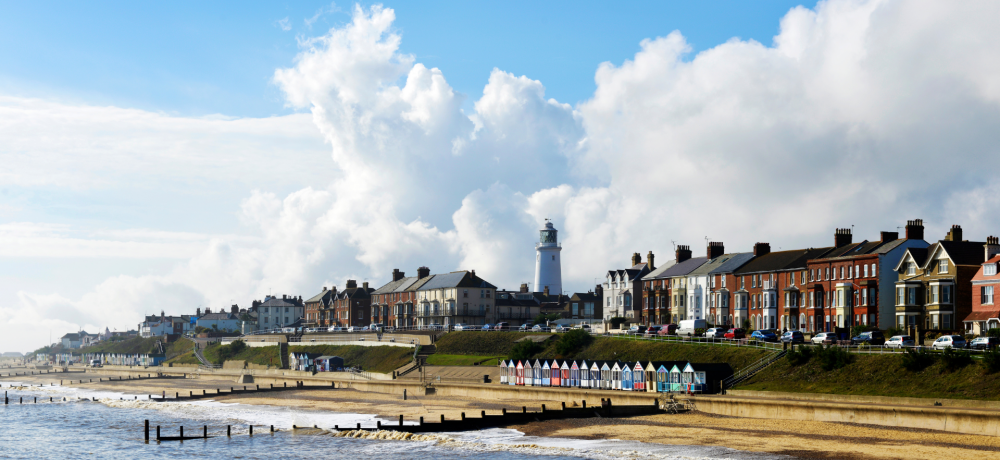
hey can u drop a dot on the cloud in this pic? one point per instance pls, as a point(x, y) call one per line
point(863, 113)
point(284, 24)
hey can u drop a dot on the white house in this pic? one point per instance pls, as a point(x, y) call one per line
point(226, 322)
point(623, 289)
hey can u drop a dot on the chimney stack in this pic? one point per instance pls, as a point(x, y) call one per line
point(889, 236)
point(682, 253)
point(524, 287)
point(955, 234)
point(992, 247)
point(649, 260)
point(324, 288)
point(715, 249)
point(915, 229)
point(842, 237)
point(599, 291)
point(365, 286)
point(235, 309)
point(546, 291)
point(284, 297)
point(208, 310)
point(423, 272)
point(197, 312)
point(636, 259)
point(761, 249)
point(397, 275)
point(352, 284)
point(473, 273)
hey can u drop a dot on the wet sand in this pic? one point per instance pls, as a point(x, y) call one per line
point(801, 439)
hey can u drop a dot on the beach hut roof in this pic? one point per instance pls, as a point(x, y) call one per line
point(606, 366)
point(662, 368)
point(503, 363)
point(564, 366)
point(638, 366)
point(675, 369)
point(617, 366)
point(575, 365)
point(545, 365)
point(538, 364)
point(520, 364)
point(688, 368)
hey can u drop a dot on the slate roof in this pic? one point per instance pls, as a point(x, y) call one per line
point(734, 262)
point(455, 279)
point(325, 295)
point(584, 296)
point(885, 248)
point(276, 302)
point(216, 316)
point(707, 267)
point(683, 268)
point(964, 252)
point(393, 285)
point(918, 254)
point(781, 260)
point(662, 268)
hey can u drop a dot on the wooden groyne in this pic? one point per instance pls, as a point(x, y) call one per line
point(246, 389)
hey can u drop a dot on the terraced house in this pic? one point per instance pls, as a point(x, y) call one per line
point(394, 303)
point(720, 308)
point(934, 286)
point(770, 286)
point(622, 286)
point(350, 307)
point(985, 287)
point(682, 291)
point(656, 294)
point(456, 297)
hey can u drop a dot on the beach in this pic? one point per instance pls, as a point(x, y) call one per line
point(800, 439)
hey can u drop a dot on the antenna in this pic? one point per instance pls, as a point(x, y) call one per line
point(674, 244)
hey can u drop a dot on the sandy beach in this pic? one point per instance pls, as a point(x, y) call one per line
point(799, 439)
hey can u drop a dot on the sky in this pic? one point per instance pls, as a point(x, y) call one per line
point(176, 156)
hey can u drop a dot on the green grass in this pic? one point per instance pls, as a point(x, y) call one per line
point(611, 348)
point(373, 359)
point(438, 359)
point(879, 375)
point(480, 343)
point(139, 345)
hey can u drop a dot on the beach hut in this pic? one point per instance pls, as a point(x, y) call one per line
point(708, 377)
point(512, 373)
point(606, 376)
point(574, 375)
point(536, 373)
point(546, 376)
point(626, 379)
point(616, 376)
point(503, 372)
point(675, 379)
point(662, 379)
point(555, 378)
point(519, 376)
point(564, 377)
point(638, 377)
point(584, 375)
point(529, 374)
point(650, 377)
point(687, 378)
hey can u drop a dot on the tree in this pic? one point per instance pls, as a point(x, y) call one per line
point(524, 350)
point(573, 341)
point(542, 318)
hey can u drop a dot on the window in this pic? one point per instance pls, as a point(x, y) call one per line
point(841, 272)
point(827, 271)
point(866, 271)
point(724, 280)
point(911, 296)
point(553, 257)
point(873, 271)
point(742, 282)
point(934, 294)
point(465, 293)
point(946, 297)
point(864, 297)
point(943, 266)
point(802, 278)
point(990, 269)
point(753, 281)
point(987, 294)
point(850, 273)
point(911, 269)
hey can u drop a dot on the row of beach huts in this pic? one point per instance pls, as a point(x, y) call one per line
point(650, 376)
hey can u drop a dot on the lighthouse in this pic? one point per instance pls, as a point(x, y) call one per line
point(548, 268)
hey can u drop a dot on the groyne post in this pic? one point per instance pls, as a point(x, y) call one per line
point(229, 431)
point(205, 432)
point(400, 419)
point(157, 433)
point(147, 431)
point(251, 430)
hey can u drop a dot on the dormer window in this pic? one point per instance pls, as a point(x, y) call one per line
point(990, 269)
point(911, 269)
point(943, 266)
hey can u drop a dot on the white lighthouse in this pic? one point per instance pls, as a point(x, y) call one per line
point(548, 268)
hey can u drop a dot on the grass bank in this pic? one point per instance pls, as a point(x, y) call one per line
point(480, 343)
point(880, 375)
point(140, 345)
point(373, 359)
point(438, 359)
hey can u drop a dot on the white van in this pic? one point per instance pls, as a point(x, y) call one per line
point(689, 326)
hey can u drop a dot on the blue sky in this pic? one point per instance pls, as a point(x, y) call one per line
point(194, 59)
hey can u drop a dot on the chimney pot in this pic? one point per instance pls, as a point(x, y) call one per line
point(992, 247)
point(761, 249)
point(423, 272)
point(636, 259)
point(546, 291)
point(915, 229)
point(524, 287)
point(955, 234)
point(649, 260)
point(842, 237)
point(682, 253)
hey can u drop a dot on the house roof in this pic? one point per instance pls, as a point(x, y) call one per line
point(455, 279)
point(982, 315)
point(963, 252)
point(391, 286)
point(584, 296)
point(919, 255)
point(734, 262)
point(683, 268)
point(276, 302)
point(781, 260)
point(710, 265)
point(216, 316)
point(659, 270)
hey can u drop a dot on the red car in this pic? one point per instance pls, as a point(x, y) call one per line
point(736, 334)
point(667, 329)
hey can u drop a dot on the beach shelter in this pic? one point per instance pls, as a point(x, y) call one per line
point(662, 379)
point(626, 377)
point(536, 373)
point(512, 374)
point(574, 375)
point(503, 372)
point(651, 377)
point(564, 377)
point(616, 376)
point(546, 376)
point(584, 375)
point(675, 379)
point(606, 376)
point(554, 370)
point(638, 377)
point(519, 378)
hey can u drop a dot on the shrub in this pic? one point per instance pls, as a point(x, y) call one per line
point(524, 350)
point(955, 359)
point(228, 351)
point(746, 325)
point(991, 360)
point(572, 341)
point(917, 360)
point(894, 331)
point(993, 332)
point(800, 355)
point(542, 318)
point(833, 357)
point(857, 330)
point(699, 332)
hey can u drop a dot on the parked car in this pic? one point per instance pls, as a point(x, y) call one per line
point(652, 331)
point(637, 329)
point(824, 338)
point(984, 343)
point(764, 335)
point(334, 329)
point(486, 327)
point(871, 338)
point(667, 329)
point(524, 327)
point(793, 337)
point(459, 327)
point(715, 332)
point(313, 329)
point(735, 334)
point(541, 328)
point(585, 327)
point(948, 341)
point(560, 328)
point(502, 326)
point(353, 328)
point(899, 341)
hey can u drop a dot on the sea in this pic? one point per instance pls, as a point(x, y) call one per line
point(109, 425)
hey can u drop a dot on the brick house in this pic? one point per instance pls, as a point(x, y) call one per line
point(351, 306)
point(769, 287)
point(317, 308)
point(393, 303)
point(656, 295)
point(719, 283)
point(985, 286)
point(934, 286)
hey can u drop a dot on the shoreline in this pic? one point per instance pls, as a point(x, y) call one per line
point(798, 439)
